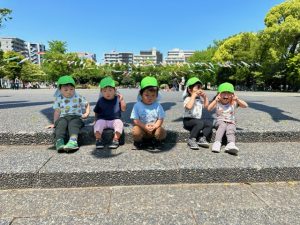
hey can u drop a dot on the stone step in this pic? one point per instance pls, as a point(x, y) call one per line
point(178, 134)
point(41, 167)
point(252, 203)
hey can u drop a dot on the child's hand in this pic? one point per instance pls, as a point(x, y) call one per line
point(50, 126)
point(218, 97)
point(120, 97)
point(85, 115)
point(201, 93)
point(234, 97)
point(150, 127)
point(195, 94)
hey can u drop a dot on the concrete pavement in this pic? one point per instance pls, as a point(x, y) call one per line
point(235, 204)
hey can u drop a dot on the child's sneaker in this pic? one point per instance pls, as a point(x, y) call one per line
point(114, 144)
point(138, 145)
point(216, 147)
point(192, 143)
point(231, 148)
point(60, 145)
point(71, 145)
point(203, 142)
point(99, 144)
point(157, 144)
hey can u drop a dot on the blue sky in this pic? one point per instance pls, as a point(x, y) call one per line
point(132, 25)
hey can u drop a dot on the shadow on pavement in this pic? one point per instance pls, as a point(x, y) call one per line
point(276, 114)
point(105, 153)
point(18, 104)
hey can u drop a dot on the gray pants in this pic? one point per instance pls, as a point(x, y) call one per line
point(230, 129)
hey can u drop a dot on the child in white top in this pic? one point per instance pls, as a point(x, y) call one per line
point(195, 100)
point(226, 103)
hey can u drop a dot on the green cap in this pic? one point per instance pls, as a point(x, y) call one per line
point(107, 82)
point(67, 79)
point(193, 81)
point(226, 87)
point(149, 81)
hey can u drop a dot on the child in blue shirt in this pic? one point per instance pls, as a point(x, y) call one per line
point(147, 114)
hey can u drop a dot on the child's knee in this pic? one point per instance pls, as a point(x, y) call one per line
point(160, 134)
point(137, 133)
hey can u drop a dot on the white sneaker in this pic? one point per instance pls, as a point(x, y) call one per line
point(216, 147)
point(231, 148)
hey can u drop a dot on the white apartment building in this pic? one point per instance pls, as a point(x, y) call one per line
point(35, 52)
point(13, 44)
point(118, 57)
point(178, 56)
point(149, 56)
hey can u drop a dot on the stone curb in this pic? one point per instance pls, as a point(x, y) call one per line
point(147, 177)
point(86, 137)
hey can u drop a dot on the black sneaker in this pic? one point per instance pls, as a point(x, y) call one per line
point(158, 144)
point(114, 144)
point(203, 142)
point(99, 144)
point(138, 145)
point(192, 143)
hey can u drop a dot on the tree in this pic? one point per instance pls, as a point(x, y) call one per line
point(293, 75)
point(241, 51)
point(203, 56)
point(240, 47)
point(12, 67)
point(279, 42)
point(57, 62)
point(57, 47)
point(4, 15)
point(31, 72)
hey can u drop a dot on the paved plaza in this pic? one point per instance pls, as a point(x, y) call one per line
point(90, 186)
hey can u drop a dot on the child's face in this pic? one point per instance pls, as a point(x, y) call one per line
point(108, 93)
point(67, 91)
point(148, 97)
point(195, 88)
point(226, 97)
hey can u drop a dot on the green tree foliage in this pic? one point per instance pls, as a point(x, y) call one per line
point(12, 67)
point(4, 15)
point(203, 56)
point(32, 73)
point(240, 47)
point(57, 47)
point(57, 62)
point(293, 75)
point(280, 41)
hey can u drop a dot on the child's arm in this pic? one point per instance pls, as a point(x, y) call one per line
point(213, 104)
point(56, 115)
point(158, 123)
point(190, 103)
point(87, 111)
point(204, 96)
point(139, 124)
point(122, 103)
point(240, 102)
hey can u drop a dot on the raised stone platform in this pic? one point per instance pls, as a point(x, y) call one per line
point(39, 167)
